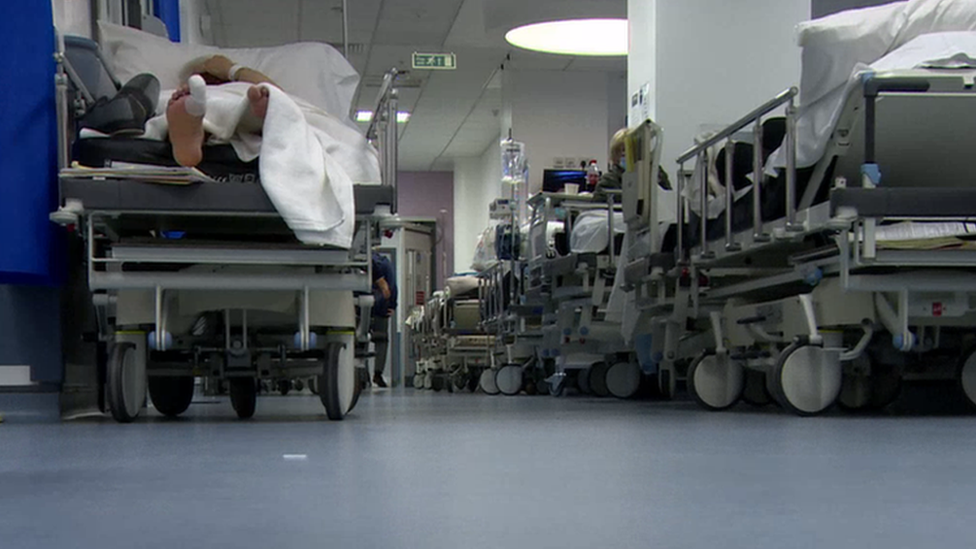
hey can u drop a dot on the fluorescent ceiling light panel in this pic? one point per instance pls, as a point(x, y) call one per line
point(596, 37)
point(367, 116)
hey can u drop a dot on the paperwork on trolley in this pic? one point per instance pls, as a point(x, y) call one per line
point(166, 175)
point(927, 236)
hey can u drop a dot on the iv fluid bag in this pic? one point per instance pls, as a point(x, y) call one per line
point(513, 162)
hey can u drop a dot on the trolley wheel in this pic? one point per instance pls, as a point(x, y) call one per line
point(284, 385)
point(583, 381)
point(418, 381)
point(557, 385)
point(437, 382)
point(754, 389)
point(243, 396)
point(967, 377)
point(126, 389)
point(716, 382)
point(337, 382)
point(362, 381)
point(807, 379)
point(508, 379)
point(171, 395)
point(623, 379)
point(487, 382)
point(461, 382)
point(598, 379)
point(473, 381)
point(885, 386)
point(429, 379)
point(299, 385)
point(666, 384)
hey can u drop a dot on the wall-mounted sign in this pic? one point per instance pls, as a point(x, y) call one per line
point(434, 61)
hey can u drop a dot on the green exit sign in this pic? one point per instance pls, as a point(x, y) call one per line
point(434, 61)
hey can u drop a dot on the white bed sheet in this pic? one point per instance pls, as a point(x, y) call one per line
point(314, 71)
point(840, 47)
point(816, 121)
point(310, 160)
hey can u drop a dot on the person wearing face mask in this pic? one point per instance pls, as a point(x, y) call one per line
point(613, 177)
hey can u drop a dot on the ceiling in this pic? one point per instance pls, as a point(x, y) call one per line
point(454, 113)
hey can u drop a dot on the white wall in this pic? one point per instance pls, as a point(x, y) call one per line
point(195, 23)
point(559, 114)
point(477, 181)
point(642, 58)
point(713, 61)
point(72, 17)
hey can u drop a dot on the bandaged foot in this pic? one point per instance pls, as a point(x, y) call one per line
point(185, 117)
point(258, 96)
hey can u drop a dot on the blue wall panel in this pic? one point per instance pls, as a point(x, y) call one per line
point(28, 143)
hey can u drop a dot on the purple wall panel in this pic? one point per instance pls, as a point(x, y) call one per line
point(426, 194)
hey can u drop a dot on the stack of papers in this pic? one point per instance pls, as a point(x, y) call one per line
point(139, 172)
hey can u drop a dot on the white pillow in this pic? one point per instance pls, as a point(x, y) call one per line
point(834, 45)
point(313, 71)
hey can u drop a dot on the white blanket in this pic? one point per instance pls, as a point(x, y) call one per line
point(310, 160)
point(839, 48)
point(591, 232)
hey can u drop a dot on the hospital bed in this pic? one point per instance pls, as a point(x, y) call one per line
point(453, 350)
point(571, 283)
point(836, 280)
point(206, 280)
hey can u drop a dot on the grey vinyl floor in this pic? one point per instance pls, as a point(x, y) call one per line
point(422, 470)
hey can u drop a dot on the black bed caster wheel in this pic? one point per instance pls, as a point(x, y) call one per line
point(284, 386)
point(597, 378)
point(125, 390)
point(299, 385)
point(473, 381)
point(460, 382)
point(583, 381)
point(437, 383)
point(754, 391)
point(557, 385)
point(623, 380)
point(244, 396)
point(666, 384)
point(171, 396)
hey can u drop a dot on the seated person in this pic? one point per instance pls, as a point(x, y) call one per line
point(613, 177)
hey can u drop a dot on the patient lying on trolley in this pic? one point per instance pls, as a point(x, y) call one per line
point(188, 104)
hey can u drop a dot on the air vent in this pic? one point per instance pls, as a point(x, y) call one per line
point(355, 48)
point(403, 81)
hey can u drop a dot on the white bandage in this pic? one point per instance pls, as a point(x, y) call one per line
point(196, 103)
point(232, 74)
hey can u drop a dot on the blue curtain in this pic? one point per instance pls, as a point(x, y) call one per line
point(169, 12)
point(28, 144)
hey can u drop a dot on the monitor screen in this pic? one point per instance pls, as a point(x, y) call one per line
point(553, 181)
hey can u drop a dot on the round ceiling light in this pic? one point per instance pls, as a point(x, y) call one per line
point(598, 37)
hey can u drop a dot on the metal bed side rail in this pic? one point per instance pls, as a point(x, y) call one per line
point(383, 129)
point(700, 153)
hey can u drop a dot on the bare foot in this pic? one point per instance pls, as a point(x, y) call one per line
point(258, 96)
point(185, 130)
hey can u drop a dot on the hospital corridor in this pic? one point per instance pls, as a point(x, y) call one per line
point(487, 273)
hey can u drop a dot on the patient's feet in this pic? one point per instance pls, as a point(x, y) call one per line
point(185, 116)
point(258, 96)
